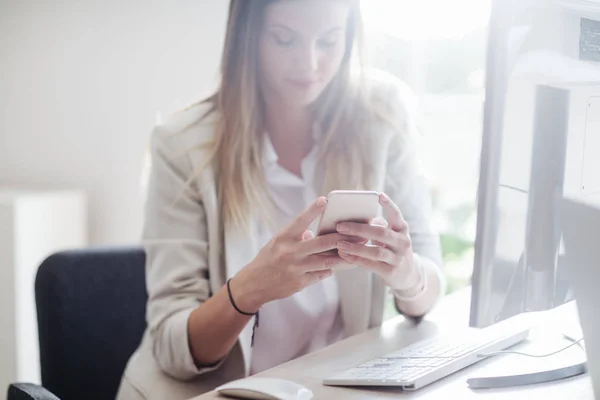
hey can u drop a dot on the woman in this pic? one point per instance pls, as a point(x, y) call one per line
point(236, 183)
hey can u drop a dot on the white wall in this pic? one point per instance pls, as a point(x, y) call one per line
point(81, 84)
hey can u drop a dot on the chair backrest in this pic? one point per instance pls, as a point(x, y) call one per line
point(91, 314)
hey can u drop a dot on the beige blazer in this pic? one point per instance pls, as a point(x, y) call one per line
point(187, 258)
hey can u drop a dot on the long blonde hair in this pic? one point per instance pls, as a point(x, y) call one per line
point(341, 113)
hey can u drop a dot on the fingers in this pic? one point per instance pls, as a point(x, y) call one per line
point(378, 267)
point(373, 253)
point(318, 262)
point(307, 235)
point(392, 213)
point(302, 222)
point(376, 233)
point(379, 221)
point(320, 244)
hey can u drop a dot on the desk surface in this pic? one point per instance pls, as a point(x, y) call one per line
point(397, 333)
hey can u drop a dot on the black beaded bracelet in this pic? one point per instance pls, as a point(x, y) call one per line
point(242, 312)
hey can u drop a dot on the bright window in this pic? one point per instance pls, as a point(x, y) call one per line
point(438, 48)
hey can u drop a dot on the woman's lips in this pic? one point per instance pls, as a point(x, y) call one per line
point(302, 83)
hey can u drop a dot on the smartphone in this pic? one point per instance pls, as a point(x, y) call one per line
point(348, 206)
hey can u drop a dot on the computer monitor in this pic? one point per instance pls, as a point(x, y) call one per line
point(541, 142)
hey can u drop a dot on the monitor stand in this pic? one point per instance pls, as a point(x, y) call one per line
point(551, 375)
point(515, 304)
point(496, 382)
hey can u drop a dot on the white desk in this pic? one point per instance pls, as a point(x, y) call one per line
point(397, 333)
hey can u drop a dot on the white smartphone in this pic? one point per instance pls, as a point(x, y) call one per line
point(348, 206)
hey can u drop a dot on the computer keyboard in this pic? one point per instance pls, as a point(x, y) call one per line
point(429, 360)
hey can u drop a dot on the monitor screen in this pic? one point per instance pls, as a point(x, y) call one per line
point(541, 141)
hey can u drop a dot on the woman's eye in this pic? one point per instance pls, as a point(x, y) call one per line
point(327, 42)
point(283, 40)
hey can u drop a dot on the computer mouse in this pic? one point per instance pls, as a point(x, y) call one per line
point(257, 388)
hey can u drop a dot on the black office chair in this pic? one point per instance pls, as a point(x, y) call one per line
point(91, 314)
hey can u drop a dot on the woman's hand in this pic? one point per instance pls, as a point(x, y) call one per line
point(291, 261)
point(390, 255)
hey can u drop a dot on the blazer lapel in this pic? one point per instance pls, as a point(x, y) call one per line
point(354, 287)
point(238, 246)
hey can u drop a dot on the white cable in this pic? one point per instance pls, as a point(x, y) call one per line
point(575, 342)
point(493, 382)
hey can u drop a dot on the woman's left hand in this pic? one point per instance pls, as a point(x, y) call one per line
point(390, 255)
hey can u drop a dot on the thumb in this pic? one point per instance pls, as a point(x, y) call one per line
point(307, 235)
point(379, 221)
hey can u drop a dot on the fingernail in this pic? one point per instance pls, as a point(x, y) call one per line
point(384, 198)
point(342, 254)
point(321, 201)
point(343, 245)
point(343, 227)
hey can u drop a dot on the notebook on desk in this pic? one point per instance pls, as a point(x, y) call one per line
point(580, 225)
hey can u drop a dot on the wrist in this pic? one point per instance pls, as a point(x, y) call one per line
point(247, 297)
point(409, 277)
point(417, 287)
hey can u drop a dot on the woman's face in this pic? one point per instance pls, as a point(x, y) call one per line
point(302, 46)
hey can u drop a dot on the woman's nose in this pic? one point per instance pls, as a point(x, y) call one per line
point(307, 59)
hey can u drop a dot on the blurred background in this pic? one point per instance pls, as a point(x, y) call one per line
point(439, 48)
point(83, 82)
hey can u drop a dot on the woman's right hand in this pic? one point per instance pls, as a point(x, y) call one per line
point(291, 261)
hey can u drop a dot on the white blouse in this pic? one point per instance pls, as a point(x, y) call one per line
point(310, 319)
